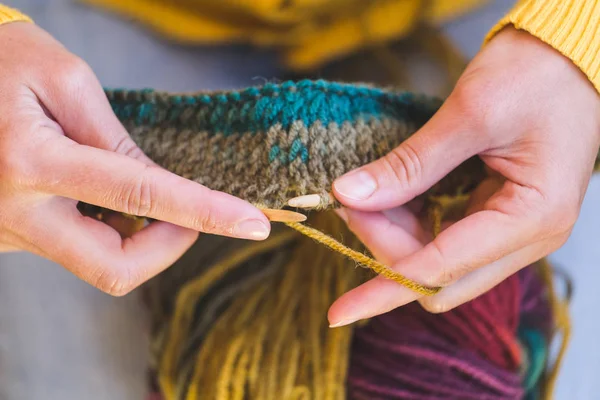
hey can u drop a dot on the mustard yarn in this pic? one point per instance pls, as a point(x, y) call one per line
point(244, 320)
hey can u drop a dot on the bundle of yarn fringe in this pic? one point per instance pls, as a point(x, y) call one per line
point(247, 320)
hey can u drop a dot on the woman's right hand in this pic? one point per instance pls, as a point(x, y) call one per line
point(60, 143)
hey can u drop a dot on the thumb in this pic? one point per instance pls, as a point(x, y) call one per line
point(410, 169)
point(76, 99)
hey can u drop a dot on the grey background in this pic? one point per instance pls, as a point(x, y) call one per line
point(61, 339)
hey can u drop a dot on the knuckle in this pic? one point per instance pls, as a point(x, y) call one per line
point(474, 105)
point(140, 198)
point(562, 217)
point(115, 281)
point(208, 222)
point(128, 147)
point(75, 74)
point(120, 289)
point(550, 214)
point(529, 209)
point(404, 165)
point(16, 170)
point(445, 272)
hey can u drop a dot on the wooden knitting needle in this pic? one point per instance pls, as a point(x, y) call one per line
point(283, 215)
point(309, 201)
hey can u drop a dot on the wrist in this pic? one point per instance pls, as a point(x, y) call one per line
point(569, 26)
point(539, 62)
point(519, 83)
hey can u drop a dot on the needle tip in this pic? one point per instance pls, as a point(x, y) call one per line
point(283, 215)
point(306, 201)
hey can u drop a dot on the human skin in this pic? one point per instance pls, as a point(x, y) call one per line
point(60, 143)
point(534, 119)
point(529, 113)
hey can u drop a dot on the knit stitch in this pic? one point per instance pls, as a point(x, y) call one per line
point(268, 144)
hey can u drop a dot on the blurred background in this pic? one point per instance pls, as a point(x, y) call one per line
point(62, 339)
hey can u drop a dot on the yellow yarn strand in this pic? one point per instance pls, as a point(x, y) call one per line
point(246, 355)
point(362, 259)
point(560, 308)
point(240, 377)
point(185, 306)
point(436, 216)
point(227, 372)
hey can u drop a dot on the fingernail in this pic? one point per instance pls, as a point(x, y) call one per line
point(342, 214)
point(341, 323)
point(358, 185)
point(252, 229)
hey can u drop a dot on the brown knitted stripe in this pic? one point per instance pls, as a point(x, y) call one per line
point(239, 164)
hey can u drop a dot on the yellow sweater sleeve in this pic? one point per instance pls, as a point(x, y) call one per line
point(570, 26)
point(8, 14)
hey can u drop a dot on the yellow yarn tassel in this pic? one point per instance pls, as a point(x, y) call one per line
point(184, 307)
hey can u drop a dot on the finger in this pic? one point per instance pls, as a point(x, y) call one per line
point(414, 166)
point(484, 279)
point(510, 220)
point(389, 237)
point(79, 104)
point(479, 239)
point(7, 248)
point(375, 297)
point(95, 252)
point(379, 295)
point(388, 242)
point(407, 219)
point(120, 183)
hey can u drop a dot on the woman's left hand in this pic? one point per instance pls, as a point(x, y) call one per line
point(534, 119)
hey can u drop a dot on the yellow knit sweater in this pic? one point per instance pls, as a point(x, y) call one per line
point(312, 32)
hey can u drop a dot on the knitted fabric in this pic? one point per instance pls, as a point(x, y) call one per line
point(268, 144)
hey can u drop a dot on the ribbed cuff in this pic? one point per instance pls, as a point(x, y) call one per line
point(8, 14)
point(570, 26)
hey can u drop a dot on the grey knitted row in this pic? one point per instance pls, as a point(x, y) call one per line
point(240, 164)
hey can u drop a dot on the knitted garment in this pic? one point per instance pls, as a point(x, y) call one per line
point(269, 144)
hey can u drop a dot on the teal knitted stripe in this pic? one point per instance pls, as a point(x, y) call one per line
point(256, 109)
